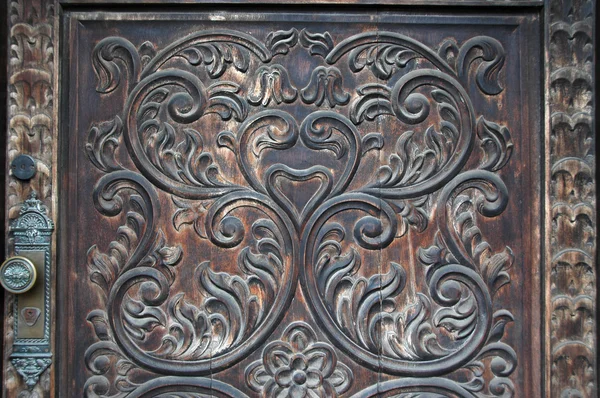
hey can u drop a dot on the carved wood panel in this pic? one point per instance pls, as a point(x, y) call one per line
point(323, 211)
point(289, 203)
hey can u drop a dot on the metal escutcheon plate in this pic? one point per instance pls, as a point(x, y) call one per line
point(17, 274)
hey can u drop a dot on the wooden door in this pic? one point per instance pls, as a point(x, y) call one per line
point(298, 202)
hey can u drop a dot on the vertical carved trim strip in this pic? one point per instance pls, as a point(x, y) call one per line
point(31, 129)
point(571, 200)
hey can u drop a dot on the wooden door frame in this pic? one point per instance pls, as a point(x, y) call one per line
point(31, 51)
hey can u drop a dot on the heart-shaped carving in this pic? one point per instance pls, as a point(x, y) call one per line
point(277, 130)
point(294, 206)
point(332, 132)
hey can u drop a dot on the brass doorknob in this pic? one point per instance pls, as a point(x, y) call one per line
point(17, 274)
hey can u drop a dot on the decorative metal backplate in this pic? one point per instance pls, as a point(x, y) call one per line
point(380, 143)
point(32, 233)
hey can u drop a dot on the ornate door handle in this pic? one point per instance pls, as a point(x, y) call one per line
point(18, 274)
point(27, 274)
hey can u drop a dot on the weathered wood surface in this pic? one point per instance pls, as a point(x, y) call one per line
point(347, 203)
point(571, 266)
point(292, 194)
point(31, 129)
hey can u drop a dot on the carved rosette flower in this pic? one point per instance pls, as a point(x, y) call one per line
point(299, 366)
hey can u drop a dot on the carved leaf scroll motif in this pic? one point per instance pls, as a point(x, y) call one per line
point(360, 308)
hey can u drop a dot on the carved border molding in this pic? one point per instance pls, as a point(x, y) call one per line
point(571, 200)
point(429, 3)
point(31, 129)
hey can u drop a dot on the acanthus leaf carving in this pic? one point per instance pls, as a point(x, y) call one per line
point(216, 57)
point(381, 59)
point(317, 43)
point(137, 283)
point(372, 141)
point(496, 142)
point(373, 100)
point(190, 213)
point(105, 56)
point(225, 101)
point(135, 237)
point(492, 56)
point(418, 164)
point(147, 51)
point(281, 41)
point(446, 327)
point(103, 141)
point(486, 51)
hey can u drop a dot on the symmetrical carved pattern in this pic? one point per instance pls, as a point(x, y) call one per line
point(32, 231)
point(572, 272)
point(30, 368)
point(31, 97)
point(323, 238)
point(298, 366)
point(31, 130)
point(422, 184)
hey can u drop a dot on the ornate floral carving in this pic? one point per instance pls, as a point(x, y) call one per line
point(236, 308)
point(103, 141)
point(281, 41)
point(571, 182)
point(450, 327)
point(496, 142)
point(488, 51)
point(299, 365)
point(316, 43)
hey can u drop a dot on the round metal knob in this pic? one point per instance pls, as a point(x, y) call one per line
point(23, 167)
point(17, 274)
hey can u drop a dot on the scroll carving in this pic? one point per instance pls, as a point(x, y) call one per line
point(440, 172)
point(360, 309)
